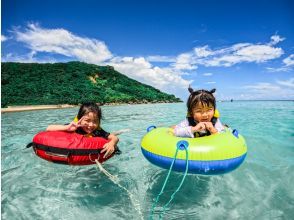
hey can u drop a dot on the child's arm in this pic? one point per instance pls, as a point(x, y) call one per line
point(110, 146)
point(70, 127)
point(57, 128)
point(219, 126)
point(183, 129)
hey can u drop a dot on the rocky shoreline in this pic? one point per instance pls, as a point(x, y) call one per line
point(34, 107)
point(61, 106)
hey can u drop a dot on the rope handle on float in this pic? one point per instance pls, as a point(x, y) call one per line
point(182, 181)
point(181, 145)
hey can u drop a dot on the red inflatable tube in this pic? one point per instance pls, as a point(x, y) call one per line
point(69, 147)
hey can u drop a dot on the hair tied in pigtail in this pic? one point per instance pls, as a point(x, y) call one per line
point(212, 91)
point(190, 89)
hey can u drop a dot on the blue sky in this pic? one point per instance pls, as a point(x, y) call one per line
point(244, 49)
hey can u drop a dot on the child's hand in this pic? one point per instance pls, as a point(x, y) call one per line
point(109, 148)
point(210, 128)
point(199, 127)
point(73, 126)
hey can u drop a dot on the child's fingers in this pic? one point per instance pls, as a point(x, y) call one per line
point(81, 119)
point(107, 149)
point(208, 124)
point(72, 125)
point(104, 148)
point(202, 126)
point(80, 126)
point(108, 152)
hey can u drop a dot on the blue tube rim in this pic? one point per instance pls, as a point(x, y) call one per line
point(151, 127)
point(212, 167)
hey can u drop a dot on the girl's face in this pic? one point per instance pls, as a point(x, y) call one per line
point(203, 113)
point(90, 122)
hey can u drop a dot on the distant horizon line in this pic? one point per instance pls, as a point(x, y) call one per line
point(233, 100)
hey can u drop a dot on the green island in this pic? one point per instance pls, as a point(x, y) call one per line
point(72, 83)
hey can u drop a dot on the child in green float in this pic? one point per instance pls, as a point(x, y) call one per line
point(201, 119)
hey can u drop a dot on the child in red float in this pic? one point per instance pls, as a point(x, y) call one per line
point(88, 124)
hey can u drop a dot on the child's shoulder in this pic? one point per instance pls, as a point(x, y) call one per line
point(184, 122)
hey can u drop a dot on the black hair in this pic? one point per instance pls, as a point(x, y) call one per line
point(203, 96)
point(90, 107)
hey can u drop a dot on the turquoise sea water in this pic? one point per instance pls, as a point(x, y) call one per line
point(261, 188)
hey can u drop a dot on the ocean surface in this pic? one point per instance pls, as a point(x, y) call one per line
point(261, 188)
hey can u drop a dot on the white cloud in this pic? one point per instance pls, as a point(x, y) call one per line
point(184, 62)
point(288, 65)
point(228, 56)
point(258, 53)
point(63, 42)
point(3, 38)
point(279, 69)
point(288, 83)
point(263, 86)
point(264, 90)
point(140, 69)
point(276, 39)
point(27, 58)
point(207, 74)
point(210, 82)
point(289, 61)
point(156, 58)
point(202, 51)
point(248, 53)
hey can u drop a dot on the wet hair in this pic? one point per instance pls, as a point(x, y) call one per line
point(202, 96)
point(88, 107)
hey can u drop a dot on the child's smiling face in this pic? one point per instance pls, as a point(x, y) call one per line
point(202, 112)
point(90, 122)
